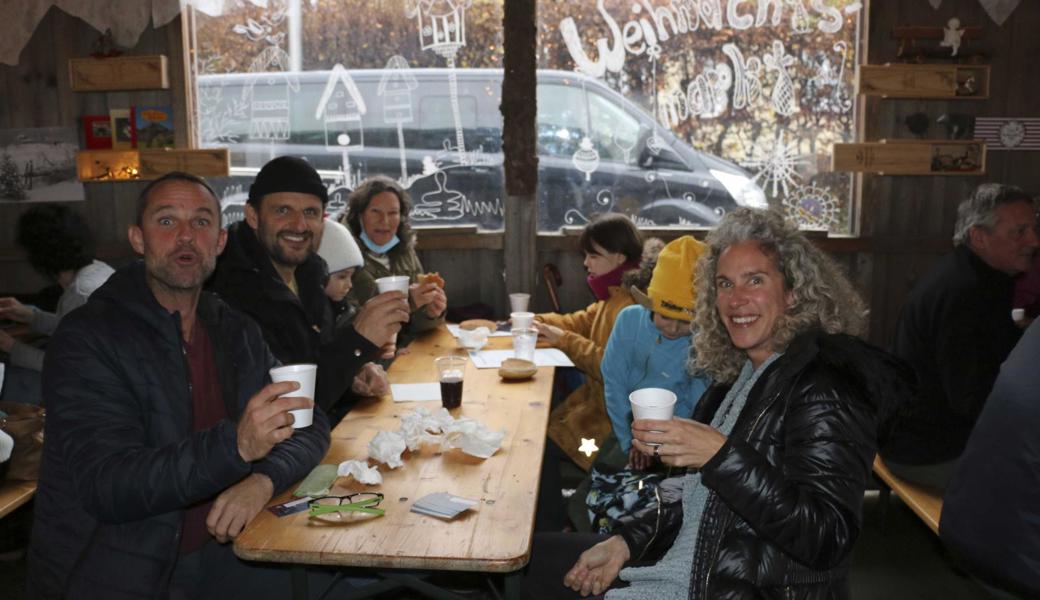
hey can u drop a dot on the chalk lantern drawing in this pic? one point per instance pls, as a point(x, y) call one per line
point(269, 94)
point(586, 159)
point(396, 87)
point(442, 29)
point(340, 108)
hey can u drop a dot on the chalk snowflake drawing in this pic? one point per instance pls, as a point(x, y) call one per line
point(442, 204)
point(586, 158)
point(812, 207)
point(783, 98)
point(396, 87)
point(442, 29)
point(779, 166)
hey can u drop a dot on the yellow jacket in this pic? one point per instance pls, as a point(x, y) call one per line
point(583, 414)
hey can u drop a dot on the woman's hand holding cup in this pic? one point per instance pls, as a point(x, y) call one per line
point(677, 442)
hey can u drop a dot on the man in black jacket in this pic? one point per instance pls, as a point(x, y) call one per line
point(956, 328)
point(164, 438)
point(272, 272)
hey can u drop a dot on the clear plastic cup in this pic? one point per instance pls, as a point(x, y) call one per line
point(522, 320)
point(524, 341)
point(304, 374)
point(451, 372)
point(519, 302)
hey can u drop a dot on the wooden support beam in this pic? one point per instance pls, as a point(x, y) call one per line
point(519, 110)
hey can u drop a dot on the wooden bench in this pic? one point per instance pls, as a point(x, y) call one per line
point(14, 494)
point(923, 502)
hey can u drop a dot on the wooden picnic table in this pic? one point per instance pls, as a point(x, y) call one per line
point(495, 537)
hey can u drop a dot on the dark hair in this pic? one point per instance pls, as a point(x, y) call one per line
point(614, 232)
point(142, 199)
point(362, 196)
point(56, 238)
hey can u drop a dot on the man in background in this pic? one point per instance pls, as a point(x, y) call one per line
point(956, 328)
point(272, 272)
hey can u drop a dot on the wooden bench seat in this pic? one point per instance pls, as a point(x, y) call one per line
point(14, 494)
point(925, 504)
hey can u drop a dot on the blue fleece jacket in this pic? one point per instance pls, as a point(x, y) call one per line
point(638, 356)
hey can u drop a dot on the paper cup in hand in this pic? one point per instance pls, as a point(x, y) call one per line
point(522, 320)
point(304, 375)
point(518, 302)
point(394, 283)
point(652, 403)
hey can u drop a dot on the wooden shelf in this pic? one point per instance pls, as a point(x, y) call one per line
point(912, 157)
point(119, 73)
point(137, 165)
point(950, 82)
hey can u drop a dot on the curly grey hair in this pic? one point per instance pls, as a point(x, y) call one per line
point(980, 209)
point(823, 296)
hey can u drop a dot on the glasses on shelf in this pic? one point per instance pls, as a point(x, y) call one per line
point(341, 506)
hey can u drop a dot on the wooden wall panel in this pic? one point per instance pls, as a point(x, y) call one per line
point(37, 94)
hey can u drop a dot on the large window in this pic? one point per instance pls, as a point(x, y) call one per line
point(748, 96)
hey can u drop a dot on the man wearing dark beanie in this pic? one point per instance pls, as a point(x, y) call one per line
point(270, 270)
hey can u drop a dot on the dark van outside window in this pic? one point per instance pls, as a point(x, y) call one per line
point(748, 97)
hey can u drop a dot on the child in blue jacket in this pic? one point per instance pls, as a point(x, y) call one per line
point(650, 343)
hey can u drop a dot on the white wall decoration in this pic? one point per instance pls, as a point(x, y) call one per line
point(812, 207)
point(783, 98)
point(586, 158)
point(442, 204)
point(1002, 133)
point(270, 95)
point(340, 109)
point(442, 29)
point(396, 87)
point(779, 165)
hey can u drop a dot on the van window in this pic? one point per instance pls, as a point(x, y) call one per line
point(614, 129)
point(562, 120)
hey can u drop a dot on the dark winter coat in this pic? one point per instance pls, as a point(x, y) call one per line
point(954, 330)
point(121, 462)
point(299, 329)
point(787, 486)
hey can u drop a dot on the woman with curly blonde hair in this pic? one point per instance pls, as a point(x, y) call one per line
point(779, 449)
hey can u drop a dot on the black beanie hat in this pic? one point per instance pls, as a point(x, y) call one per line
point(287, 174)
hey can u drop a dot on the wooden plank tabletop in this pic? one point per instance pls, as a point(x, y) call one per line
point(14, 494)
point(493, 537)
point(922, 501)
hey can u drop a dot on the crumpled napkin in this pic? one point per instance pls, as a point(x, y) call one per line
point(472, 437)
point(359, 470)
point(387, 447)
point(420, 426)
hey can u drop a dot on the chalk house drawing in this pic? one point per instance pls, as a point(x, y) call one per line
point(395, 88)
point(442, 29)
point(269, 93)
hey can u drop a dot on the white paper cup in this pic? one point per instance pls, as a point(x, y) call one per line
point(522, 320)
point(1018, 314)
point(519, 302)
point(394, 283)
point(652, 403)
point(524, 341)
point(305, 376)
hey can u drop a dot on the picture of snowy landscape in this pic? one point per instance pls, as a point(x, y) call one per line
point(39, 165)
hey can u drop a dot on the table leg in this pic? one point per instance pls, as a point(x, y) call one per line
point(512, 584)
point(298, 576)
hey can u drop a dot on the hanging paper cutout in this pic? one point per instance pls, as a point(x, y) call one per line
point(999, 10)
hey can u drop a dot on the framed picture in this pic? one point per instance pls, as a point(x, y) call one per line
point(123, 136)
point(97, 132)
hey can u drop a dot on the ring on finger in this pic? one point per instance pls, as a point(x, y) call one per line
point(657, 450)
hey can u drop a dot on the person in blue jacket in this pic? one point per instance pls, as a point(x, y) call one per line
point(650, 343)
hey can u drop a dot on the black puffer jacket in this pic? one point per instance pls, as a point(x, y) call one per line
point(121, 462)
point(787, 486)
point(299, 329)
